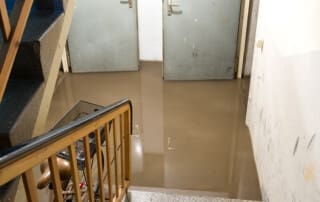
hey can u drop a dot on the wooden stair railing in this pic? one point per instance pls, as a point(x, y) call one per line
point(21, 159)
point(12, 35)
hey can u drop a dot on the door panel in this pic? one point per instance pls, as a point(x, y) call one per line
point(200, 39)
point(104, 36)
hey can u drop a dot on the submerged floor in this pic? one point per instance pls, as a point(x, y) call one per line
point(188, 134)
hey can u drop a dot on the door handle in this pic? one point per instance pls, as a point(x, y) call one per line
point(127, 2)
point(170, 7)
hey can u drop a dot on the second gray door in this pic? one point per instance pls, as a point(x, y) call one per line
point(200, 39)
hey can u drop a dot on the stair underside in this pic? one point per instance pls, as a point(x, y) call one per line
point(19, 93)
point(26, 79)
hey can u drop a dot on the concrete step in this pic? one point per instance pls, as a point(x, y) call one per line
point(143, 194)
point(18, 95)
point(44, 13)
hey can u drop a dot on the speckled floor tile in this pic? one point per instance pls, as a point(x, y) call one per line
point(152, 196)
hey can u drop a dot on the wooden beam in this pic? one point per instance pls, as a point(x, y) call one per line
point(99, 158)
point(108, 146)
point(75, 174)
point(53, 66)
point(122, 150)
point(88, 168)
point(115, 156)
point(55, 178)
point(29, 186)
point(64, 61)
point(122, 191)
point(127, 144)
point(5, 22)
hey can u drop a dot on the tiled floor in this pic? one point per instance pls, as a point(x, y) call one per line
point(188, 135)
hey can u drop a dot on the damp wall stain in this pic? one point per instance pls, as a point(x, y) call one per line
point(284, 99)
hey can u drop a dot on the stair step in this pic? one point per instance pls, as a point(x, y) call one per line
point(138, 194)
point(27, 63)
point(18, 94)
point(28, 60)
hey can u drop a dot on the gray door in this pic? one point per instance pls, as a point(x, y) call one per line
point(104, 36)
point(200, 39)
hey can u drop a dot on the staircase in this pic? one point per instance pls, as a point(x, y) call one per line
point(28, 84)
point(34, 34)
point(12, 33)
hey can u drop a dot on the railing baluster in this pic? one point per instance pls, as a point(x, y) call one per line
point(115, 155)
point(127, 142)
point(116, 120)
point(55, 177)
point(75, 174)
point(99, 158)
point(108, 160)
point(29, 186)
point(122, 148)
point(88, 168)
point(5, 23)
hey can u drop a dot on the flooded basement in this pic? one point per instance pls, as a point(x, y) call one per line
point(188, 135)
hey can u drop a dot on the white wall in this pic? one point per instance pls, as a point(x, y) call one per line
point(284, 101)
point(150, 29)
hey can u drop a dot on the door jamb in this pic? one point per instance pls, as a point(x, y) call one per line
point(242, 35)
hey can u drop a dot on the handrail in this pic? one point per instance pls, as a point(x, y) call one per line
point(20, 159)
point(25, 148)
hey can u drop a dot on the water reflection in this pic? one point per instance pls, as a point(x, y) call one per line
point(187, 135)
